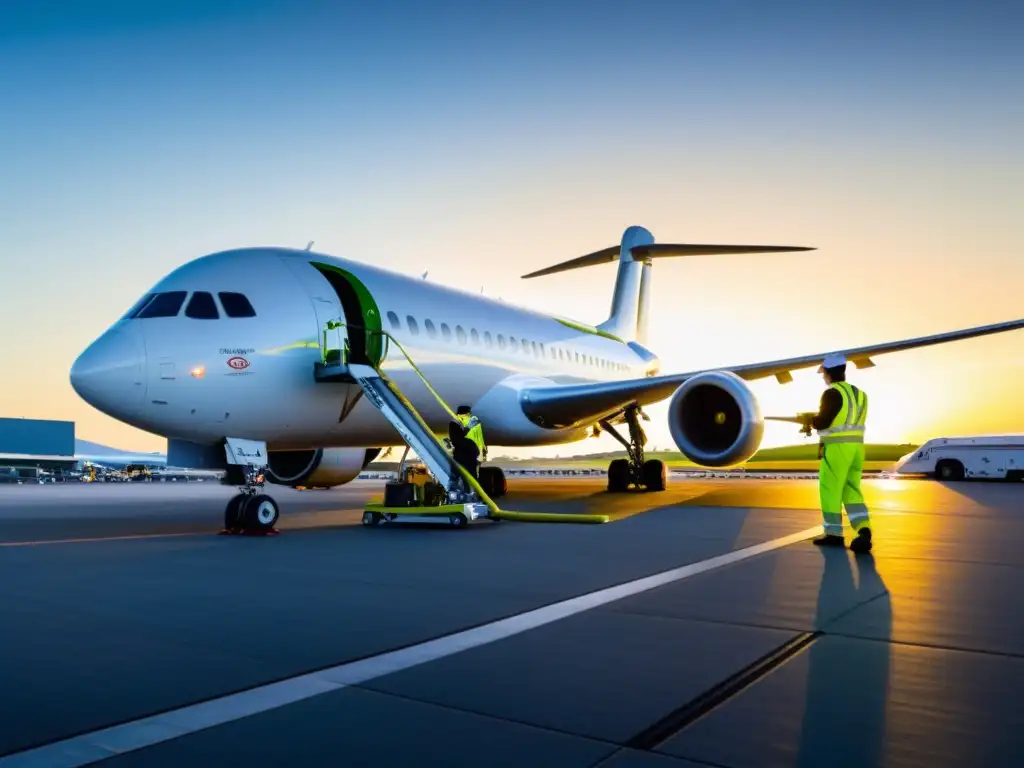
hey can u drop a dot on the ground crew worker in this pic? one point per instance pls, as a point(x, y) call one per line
point(467, 438)
point(840, 424)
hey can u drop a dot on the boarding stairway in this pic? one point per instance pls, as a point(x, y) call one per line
point(406, 420)
point(461, 488)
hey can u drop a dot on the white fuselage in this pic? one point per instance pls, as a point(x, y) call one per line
point(170, 375)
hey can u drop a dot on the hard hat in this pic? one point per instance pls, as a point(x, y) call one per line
point(463, 409)
point(834, 360)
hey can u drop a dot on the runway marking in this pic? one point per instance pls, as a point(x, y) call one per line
point(43, 542)
point(148, 731)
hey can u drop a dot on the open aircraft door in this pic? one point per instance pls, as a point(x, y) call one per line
point(325, 300)
point(327, 306)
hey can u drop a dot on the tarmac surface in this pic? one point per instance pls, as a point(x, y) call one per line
point(699, 628)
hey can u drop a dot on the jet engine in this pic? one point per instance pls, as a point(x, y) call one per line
point(318, 468)
point(715, 420)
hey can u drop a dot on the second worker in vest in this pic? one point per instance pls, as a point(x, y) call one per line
point(840, 424)
point(467, 437)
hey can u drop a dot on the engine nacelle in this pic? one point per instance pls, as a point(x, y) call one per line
point(318, 468)
point(715, 419)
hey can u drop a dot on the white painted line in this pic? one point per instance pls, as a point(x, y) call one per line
point(146, 732)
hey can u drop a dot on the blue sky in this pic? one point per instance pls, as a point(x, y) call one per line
point(452, 136)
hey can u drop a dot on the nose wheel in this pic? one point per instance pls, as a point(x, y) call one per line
point(251, 511)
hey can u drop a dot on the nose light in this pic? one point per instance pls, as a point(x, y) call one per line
point(198, 372)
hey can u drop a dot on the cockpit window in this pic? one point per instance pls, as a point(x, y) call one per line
point(236, 305)
point(164, 305)
point(201, 307)
point(134, 311)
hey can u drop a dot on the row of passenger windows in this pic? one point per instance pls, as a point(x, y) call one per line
point(200, 307)
point(510, 343)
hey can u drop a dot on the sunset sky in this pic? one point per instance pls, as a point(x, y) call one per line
point(483, 143)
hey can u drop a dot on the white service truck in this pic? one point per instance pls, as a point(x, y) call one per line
point(987, 457)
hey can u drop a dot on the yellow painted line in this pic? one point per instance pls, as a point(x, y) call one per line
point(44, 542)
point(550, 517)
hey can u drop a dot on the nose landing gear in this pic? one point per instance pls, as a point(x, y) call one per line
point(251, 512)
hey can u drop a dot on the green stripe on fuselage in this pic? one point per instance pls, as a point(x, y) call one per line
point(304, 344)
point(584, 328)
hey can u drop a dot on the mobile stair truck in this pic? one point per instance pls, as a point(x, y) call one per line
point(452, 495)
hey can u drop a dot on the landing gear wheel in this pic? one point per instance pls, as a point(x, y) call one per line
point(622, 473)
point(949, 469)
point(458, 520)
point(492, 480)
point(234, 512)
point(261, 513)
point(654, 475)
point(618, 476)
point(371, 519)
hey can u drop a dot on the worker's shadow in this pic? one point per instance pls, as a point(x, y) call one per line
point(847, 685)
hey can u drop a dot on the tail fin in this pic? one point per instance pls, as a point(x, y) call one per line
point(631, 297)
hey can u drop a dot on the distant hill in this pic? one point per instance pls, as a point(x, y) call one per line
point(805, 452)
point(792, 457)
point(809, 452)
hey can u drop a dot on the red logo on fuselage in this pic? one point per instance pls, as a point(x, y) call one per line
point(238, 363)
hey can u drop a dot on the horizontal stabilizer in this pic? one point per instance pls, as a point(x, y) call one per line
point(660, 251)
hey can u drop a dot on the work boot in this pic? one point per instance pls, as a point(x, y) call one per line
point(830, 540)
point(862, 543)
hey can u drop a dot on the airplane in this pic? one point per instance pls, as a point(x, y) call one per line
point(89, 453)
point(224, 348)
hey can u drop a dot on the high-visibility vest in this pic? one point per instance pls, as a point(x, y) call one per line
point(848, 425)
point(474, 429)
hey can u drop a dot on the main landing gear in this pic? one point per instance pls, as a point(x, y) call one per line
point(492, 480)
point(251, 511)
point(649, 474)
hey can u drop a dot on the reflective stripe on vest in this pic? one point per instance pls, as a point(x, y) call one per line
point(848, 425)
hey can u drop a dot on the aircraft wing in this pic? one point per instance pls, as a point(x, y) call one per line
point(561, 406)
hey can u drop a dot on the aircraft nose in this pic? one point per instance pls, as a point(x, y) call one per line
point(108, 374)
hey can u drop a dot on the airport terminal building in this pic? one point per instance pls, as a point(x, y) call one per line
point(37, 443)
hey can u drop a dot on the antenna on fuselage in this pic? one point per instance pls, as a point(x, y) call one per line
point(310, 244)
point(424, 275)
